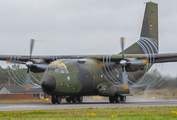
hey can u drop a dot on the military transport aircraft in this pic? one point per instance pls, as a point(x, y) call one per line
point(73, 76)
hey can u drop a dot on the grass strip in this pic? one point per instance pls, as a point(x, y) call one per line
point(146, 113)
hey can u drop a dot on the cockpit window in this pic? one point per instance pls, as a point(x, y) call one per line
point(61, 71)
point(66, 70)
point(57, 70)
point(51, 69)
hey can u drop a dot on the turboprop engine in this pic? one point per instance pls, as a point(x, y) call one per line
point(37, 65)
point(133, 67)
point(111, 90)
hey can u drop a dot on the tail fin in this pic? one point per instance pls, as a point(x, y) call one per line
point(149, 32)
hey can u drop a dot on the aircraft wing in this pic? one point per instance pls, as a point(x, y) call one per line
point(162, 58)
point(46, 58)
point(155, 58)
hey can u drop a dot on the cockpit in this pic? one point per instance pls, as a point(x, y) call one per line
point(59, 70)
point(58, 67)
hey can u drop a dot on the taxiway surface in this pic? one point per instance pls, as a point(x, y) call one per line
point(100, 104)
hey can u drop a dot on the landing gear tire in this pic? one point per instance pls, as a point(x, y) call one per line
point(68, 100)
point(111, 99)
point(53, 100)
point(117, 99)
point(58, 99)
point(123, 99)
point(79, 99)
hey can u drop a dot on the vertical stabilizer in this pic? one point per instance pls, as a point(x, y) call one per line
point(150, 21)
point(148, 42)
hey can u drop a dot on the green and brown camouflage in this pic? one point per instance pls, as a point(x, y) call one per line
point(85, 78)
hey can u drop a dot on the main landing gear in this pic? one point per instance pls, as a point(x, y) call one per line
point(117, 99)
point(74, 99)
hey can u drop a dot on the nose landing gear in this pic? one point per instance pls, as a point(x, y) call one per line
point(56, 99)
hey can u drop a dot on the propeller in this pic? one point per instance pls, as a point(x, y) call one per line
point(29, 64)
point(124, 63)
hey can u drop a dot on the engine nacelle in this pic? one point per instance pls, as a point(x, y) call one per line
point(110, 90)
point(133, 68)
point(38, 61)
point(36, 69)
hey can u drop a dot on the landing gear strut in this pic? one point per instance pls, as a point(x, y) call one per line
point(123, 99)
point(68, 100)
point(117, 99)
point(79, 99)
point(58, 100)
point(74, 99)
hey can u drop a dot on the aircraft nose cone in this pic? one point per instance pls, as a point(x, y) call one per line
point(48, 83)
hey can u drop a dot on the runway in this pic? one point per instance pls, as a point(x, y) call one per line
point(99, 104)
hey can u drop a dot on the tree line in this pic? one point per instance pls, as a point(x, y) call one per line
point(7, 74)
point(155, 80)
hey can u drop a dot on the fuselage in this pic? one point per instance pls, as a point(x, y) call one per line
point(81, 77)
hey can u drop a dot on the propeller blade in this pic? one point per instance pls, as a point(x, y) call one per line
point(31, 47)
point(28, 70)
point(138, 62)
point(14, 61)
point(123, 63)
point(28, 79)
point(29, 64)
point(124, 77)
point(122, 46)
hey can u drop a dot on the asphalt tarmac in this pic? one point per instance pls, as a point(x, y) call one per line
point(98, 104)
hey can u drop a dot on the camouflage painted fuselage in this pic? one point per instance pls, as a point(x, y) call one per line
point(84, 78)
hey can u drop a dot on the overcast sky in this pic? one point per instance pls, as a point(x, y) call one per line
point(82, 26)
